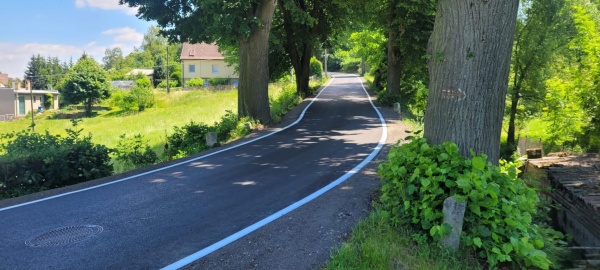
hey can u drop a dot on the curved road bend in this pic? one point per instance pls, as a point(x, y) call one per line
point(151, 221)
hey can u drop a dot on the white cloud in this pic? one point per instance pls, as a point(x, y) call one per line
point(106, 5)
point(125, 34)
point(14, 57)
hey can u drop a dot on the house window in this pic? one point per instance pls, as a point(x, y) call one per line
point(192, 68)
point(215, 69)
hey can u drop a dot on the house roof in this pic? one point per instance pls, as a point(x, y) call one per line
point(24, 91)
point(145, 71)
point(200, 51)
point(125, 84)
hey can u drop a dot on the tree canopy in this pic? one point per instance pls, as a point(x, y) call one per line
point(86, 82)
point(245, 24)
point(45, 72)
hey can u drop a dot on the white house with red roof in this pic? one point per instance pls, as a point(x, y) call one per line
point(202, 60)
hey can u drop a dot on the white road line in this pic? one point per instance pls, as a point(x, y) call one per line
point(228, 240)
point(176, 164)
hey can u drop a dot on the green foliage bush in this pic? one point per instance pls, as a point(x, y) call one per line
point(176, 76)
point(387, 99)
point(163, 84)
point(218, 81)
point(226, 125)
point(187, 140)
point(195, 82)
point(32, 162)
point(143, 97)
point(287, 100)
point(122, 99)
point(316, 68)
point(134, 152)
point(191, 138)
point(47, 101)
point(139, 97)
point(499, 221)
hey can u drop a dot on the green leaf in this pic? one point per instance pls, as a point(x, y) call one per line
point(507, 248)
point(425, 182)
point(478, 163)
point(477, 242)
point(539, 243)
point(412, 189)
point(463, 182)
point(510, 222)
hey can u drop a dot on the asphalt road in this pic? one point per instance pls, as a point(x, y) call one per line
point(151, 221)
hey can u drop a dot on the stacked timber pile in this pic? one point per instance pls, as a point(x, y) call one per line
point(575, 182)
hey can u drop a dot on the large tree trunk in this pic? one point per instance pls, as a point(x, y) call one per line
point(471, 48)
point(394, 68)
point(514, 103)
point(394, 55)
point(299, 48)
point(302, 71)
point(253, 91)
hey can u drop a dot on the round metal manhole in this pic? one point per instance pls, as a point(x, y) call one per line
point(64, 235)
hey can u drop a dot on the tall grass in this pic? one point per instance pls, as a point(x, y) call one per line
point(376, 244)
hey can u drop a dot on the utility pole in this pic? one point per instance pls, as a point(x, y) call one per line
point(167, 70)
point(28, 83)
point(326, 55)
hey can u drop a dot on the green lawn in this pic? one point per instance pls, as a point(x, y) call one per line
point(174, 109)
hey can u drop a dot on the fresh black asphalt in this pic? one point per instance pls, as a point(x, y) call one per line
point(156, 219)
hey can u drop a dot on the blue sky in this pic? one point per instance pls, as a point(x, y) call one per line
point(65, 29)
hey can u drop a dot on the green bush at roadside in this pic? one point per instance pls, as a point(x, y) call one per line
point(387, 99)
point(134, 152)
point(500, 222)
point(287, 99)
point(316, 68)
point(191, 138)
point(32, 162)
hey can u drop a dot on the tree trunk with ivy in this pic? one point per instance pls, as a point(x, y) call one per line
point(470, 50)
point(253, 96)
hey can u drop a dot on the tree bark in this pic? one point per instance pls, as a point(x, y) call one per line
point(299, 48)
point(470, 50)
point(302, 71)
point(253, 91)
point(514, 103)
point(394, 68)
point(394, 55)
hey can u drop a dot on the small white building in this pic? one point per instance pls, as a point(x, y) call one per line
point(16, 102)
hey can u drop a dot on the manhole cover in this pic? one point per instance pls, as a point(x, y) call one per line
point(64, 235)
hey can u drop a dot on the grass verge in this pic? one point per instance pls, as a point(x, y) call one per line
point(376, 244)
